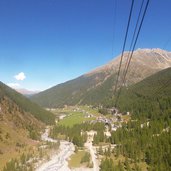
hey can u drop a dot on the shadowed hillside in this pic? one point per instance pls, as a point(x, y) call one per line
point(25, 104)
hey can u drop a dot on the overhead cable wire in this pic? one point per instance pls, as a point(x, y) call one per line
point(139, 29)
point(132, 41)
point(124, 44)
point(132, 51)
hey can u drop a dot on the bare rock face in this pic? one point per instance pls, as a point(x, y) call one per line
point(144, 63)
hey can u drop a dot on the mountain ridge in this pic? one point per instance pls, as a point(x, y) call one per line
point(111, 63)
point(96, 85)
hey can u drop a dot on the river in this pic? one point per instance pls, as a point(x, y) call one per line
point(58, 162)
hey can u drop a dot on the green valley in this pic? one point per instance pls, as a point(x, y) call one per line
point(138, 135)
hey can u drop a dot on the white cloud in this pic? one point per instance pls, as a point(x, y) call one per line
point(20, 76)
point(13, 85)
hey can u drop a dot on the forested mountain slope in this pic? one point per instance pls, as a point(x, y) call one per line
point(95, 86)
point(145, 139)
point(25, 104)
point(153, 93)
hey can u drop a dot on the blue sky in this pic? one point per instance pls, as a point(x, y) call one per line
point(52, 41)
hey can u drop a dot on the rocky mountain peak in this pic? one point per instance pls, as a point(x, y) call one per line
point(155, 58)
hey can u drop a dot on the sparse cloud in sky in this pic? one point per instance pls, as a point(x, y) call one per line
point(20, 76)
point(14, 85)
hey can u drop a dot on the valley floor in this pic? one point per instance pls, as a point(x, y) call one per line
point(59, 161)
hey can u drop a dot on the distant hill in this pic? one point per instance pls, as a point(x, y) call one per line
point(97, 85)
point(26, 92)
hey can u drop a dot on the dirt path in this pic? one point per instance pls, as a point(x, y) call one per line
point(92, 150)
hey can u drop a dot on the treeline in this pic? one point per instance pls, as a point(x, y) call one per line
point(77, 134)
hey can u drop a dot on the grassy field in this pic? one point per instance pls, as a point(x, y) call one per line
point(74, 118)
point(76, 159)
point(90, 110)
point(76, 114)
point(69, 109)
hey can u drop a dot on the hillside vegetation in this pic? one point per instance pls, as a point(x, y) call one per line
point(92, 88)
point(146, 138)
point(21, 123)
point(26, 105)
point(153, 93)
point(78, 91)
